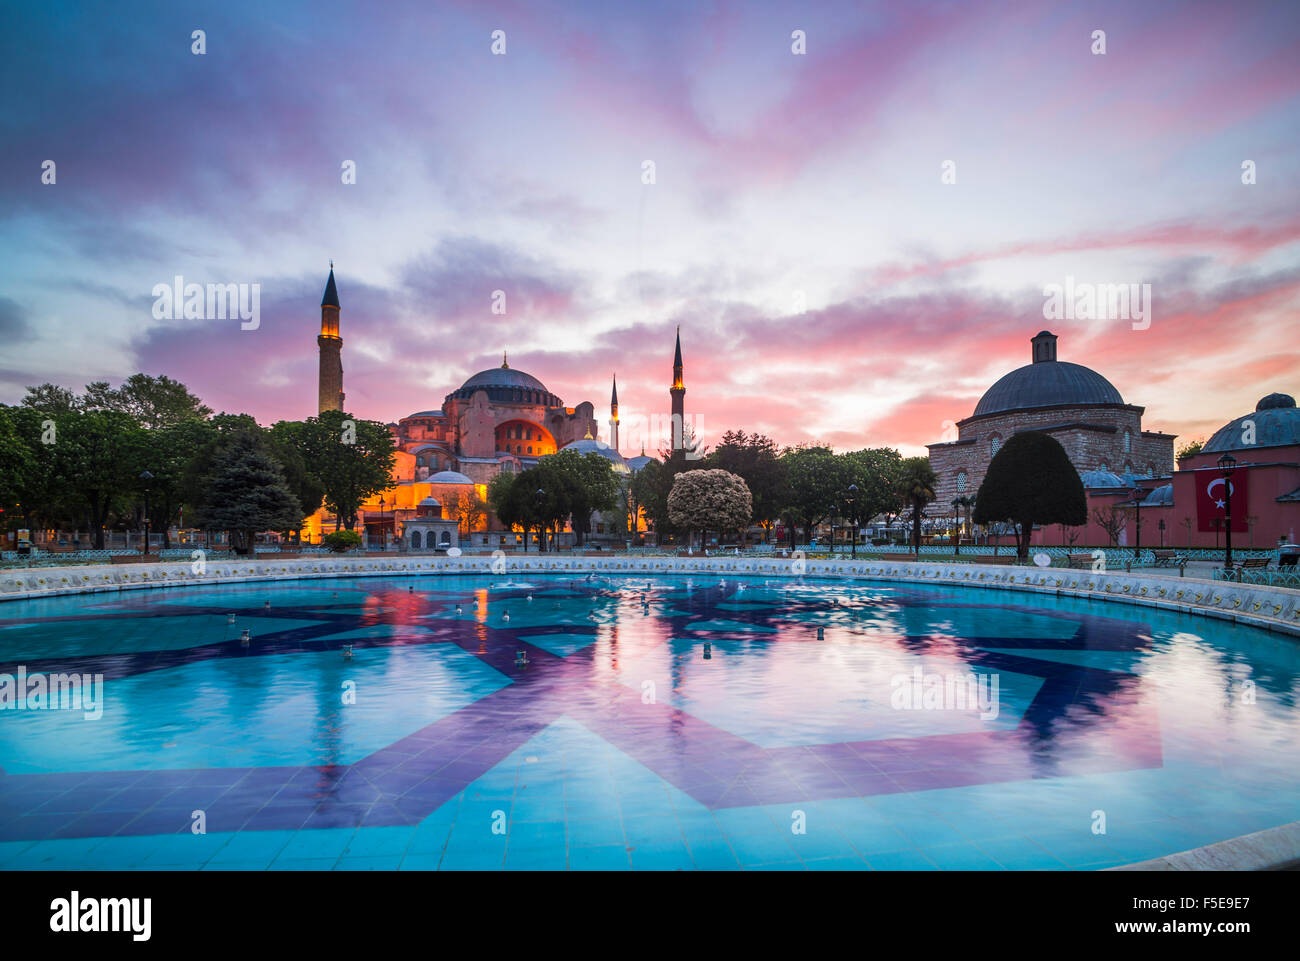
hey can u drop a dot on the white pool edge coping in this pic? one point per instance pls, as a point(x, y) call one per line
point(1258, 605)
point(1272, 849)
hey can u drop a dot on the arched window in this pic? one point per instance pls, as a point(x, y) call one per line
point(995, 442)
point(519, 448)
point(415, 540)
point(1151, 470)
point(445, 539)
point(1105, 465)
point(1128, 442)
point(530, 448)
point(961, 482)
point(419, 460)
point(1128, 467)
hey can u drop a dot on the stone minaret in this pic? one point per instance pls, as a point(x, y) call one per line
point(331, 350)
point(613, 416)
point(678, 393)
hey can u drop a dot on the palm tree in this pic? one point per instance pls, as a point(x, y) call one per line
point(916, 481)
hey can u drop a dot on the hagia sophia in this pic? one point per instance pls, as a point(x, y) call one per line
point(504, 420)
point(501, 420)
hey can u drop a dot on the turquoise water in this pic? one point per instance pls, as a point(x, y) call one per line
point(619, 742)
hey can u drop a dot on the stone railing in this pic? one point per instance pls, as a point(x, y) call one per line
point(1273, 607)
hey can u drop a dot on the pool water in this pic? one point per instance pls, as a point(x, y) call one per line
point(637, 723)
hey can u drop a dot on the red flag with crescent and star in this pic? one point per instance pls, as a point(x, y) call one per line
point(1212, 500)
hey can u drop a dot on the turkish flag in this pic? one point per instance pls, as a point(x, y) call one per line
point(1212, 498)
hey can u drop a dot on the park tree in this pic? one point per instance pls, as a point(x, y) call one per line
point(351, 459)
point(514, 506)
point(244, 492)
point(594, 485)
point(650, 489)
point(710, 500)
point(875, 473)
point(152, 402)
point(817, 480)
point(18, 463)
point(97, 459)
point(1031, 481)
point(755, 458)
point(916, 481)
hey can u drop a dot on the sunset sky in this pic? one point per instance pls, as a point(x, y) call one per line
point(777, 176)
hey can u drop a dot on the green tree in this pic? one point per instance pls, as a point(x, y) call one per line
point(352, 460)
point(710, 500)
point(153, 402)
point(875, 472)
point(245, 492)
point(916, 480)
point(97, 459)
point(650, 487)
point(817, 481)
point(18, 462)
point(754, 457)
point(594, 486)
point(1031, 481)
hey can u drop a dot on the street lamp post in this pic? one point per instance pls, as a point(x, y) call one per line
point(1227, 464)
point(1138, 494)
point(383, 527)
point(851, 499)
point(541, 528)
point(146, 479)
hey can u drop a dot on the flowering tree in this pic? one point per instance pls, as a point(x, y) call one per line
point(710, 500)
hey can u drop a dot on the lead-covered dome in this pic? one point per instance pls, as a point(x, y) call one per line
point(505, 384)
point(1047, 382)
point(1275, 422)
point(589, 445)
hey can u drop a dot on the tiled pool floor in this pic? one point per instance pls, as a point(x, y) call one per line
point(621, 745)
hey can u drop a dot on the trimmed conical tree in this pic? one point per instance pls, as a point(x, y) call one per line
point(1031, 481)
point(245, 492)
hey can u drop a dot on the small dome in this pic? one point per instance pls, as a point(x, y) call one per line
point(449, 477)
point(635, 464)
point(429, 502)
point(589, 445)
point(1162, 496)
point(1275, 402)
point(1275, 422)
point(1102, 478)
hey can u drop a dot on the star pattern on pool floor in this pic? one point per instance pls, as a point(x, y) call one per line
point(1078, 722)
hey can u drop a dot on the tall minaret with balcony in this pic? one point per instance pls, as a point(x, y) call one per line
point(613, 416)
point(331, 350)
point(678, 393)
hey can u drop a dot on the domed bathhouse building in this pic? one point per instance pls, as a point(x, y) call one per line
point(1075, 404)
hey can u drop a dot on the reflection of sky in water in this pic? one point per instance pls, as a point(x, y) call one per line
point(1219, 701)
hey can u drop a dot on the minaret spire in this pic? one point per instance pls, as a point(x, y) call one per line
point(678, 394)
point(330, 381)
point(613, 415)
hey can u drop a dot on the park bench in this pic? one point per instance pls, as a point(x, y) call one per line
point(1253, 562)
point(1079, 561)
point(993, 558)
point(134, 559)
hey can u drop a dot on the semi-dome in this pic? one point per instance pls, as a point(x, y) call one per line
point(449, 477)
point(1047, 382)
point(589, 445)
point(1275, 422)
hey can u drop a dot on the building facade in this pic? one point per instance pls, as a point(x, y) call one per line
point(1074, 404)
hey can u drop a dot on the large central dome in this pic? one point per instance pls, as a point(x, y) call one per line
point(1047, 382)
point(507, 385)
